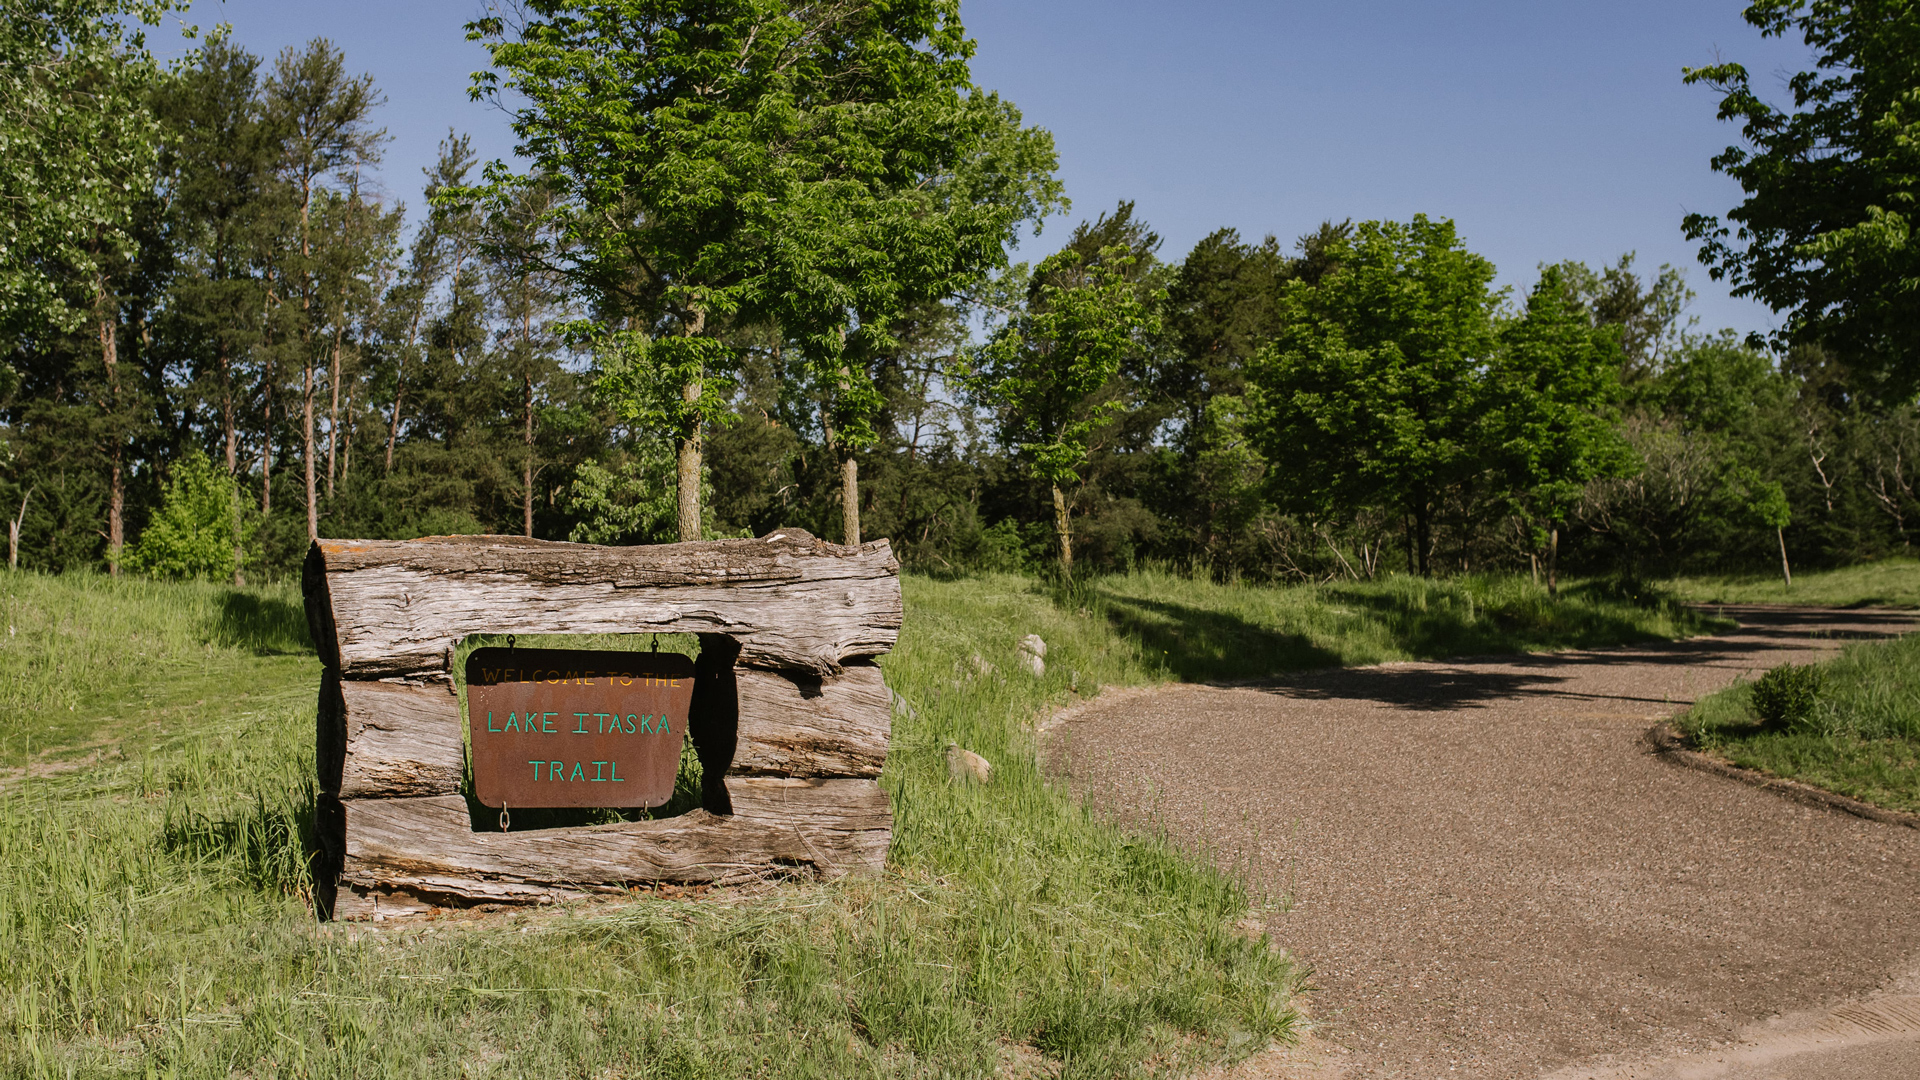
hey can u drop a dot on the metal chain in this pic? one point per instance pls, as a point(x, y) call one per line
point(504, 819)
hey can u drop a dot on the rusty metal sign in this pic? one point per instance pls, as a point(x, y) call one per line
point(567, 727)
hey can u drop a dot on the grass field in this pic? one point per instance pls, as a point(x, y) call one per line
point(1861, 736)
point(156, 803)
point(1889, 583)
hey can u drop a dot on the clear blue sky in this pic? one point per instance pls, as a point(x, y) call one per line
point(1547, 130)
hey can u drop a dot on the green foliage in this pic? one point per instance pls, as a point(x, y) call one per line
point(1887, 583)
point(1045, 369)
point(1370, 392)
point(633, 504)
point(1850, 725)
point(1788, 696)
point(201, 528)
point(1825, 232)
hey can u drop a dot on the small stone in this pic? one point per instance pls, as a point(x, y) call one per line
point(1034, 665)
point(1033, 645)
point(965, 766)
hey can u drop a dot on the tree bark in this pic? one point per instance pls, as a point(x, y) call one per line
point(850, 500)
point(313, 492)
point(1422, 532)
point(13, 532)
point(116, 481)
point(527, 479)
point(333, 409)
point(1786, 571)
point(791, 601)
point(687, 466)
point(1063, 525)
point(1553, 563)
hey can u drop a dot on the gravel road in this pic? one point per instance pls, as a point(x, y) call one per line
point(1490, 876)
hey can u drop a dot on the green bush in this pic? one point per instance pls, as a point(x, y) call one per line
point(198, 527)
point(1788, 697)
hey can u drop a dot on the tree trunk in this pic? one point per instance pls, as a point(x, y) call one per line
point(1063, 524)
point(1553, 563)
point(1786, 571)
point(687, 472)
point(850, 500)
point(13, 532)
point(333, 409)
point(527, 482)
point(266, 453)
point(116, 482)
point(1422, 532)
point(226, 411)
point(313, 492)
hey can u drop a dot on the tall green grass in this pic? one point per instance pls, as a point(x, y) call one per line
point(1888, 583)
point(1860, 736)
point(154, 914)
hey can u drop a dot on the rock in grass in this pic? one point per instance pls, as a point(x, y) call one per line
point(1033, 654)
point(965, 766)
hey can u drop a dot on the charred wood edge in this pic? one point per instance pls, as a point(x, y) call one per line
point(389, 739)
point(781, 828)
point(1663, 740)
point(730, 583)
point(795, 724)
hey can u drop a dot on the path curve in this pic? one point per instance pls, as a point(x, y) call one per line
point(1491, 876)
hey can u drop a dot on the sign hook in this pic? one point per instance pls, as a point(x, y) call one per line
point(504, 819)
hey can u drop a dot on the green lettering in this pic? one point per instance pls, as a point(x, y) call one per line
point(513, 723)
point(553, 769)
point(616, 777)
point(546, 721)
point(630, 727)
point(581, 718)
point(578, 773)
point(536, 768)
point(601, 718)
point(490, 726)
point(664, 729)
point(597, 778)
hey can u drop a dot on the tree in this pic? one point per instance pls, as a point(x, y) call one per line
point(192, 534)
point(324, 113)
point(1045, 369)
point(1550, 389)
point(1825, 233)
point(816, 167)
point(1370, 395)
point(78, 147)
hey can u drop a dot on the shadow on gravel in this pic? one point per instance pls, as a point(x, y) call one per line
point(1762, 630)
point(1199, 645)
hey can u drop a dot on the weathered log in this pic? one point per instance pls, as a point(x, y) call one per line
point(799, 725)
point(426, 847)
point(383, 608)
point(383, 740)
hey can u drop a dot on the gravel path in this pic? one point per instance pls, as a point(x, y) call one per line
point(1490, 876)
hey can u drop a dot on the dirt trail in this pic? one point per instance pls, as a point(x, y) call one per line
point(1491, 877)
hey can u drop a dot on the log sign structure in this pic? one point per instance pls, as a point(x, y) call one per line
point(784, 707)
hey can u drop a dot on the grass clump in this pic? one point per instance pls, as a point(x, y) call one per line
point(1851, 725)
point(154, 904)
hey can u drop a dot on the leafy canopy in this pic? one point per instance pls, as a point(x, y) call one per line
point(1825, 233)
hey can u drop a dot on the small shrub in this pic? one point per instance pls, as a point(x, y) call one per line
point(1788, 697)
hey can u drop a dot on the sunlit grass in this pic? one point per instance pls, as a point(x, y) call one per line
point(1862, 740)
point(1888, 583)
point(154, 915)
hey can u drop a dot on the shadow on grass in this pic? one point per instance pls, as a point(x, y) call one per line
point(263, 625)
point(1198, 645)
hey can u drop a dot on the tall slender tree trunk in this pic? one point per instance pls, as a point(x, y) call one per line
point(266, 455)
point(687, 467)
point(1553, 562)
point(1422, 529)
point(227, 424)
point(333, 409)
point(1786, 571)
point(400, 384)
point(1063, 525)
point(306, 358)
point(526, 490)
point(313, 491)
point(13, 531)
point(850, 499)
point(116, 476)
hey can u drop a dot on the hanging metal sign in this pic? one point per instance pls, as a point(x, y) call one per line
point(568, 727)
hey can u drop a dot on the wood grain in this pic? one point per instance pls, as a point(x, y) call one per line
point(426, 848)
point(798, 725)
point(384, 740)
point(382, 608)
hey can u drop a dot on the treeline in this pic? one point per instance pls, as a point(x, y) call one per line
point(778, 291)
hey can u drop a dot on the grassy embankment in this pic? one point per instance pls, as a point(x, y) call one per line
point(153, 919)
point(1889, 583)
point(1861, 734)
